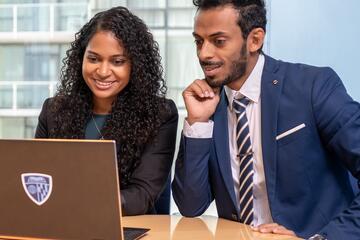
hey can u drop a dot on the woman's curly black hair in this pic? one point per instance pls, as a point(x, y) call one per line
point(138, 109)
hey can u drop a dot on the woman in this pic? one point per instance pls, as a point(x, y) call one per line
point(112, 88)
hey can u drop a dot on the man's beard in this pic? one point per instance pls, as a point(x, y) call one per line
point(237, 70)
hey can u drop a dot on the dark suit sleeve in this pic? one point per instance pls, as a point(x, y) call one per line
point(338, 120)
point(149, 178)
point(42, 127)
point(191, 187)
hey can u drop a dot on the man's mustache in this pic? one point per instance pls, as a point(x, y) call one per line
point(211, 63)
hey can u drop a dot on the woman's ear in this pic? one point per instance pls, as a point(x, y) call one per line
point(255, 40)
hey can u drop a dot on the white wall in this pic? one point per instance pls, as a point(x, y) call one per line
point(318, 32)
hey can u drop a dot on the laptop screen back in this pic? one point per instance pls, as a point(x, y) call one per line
point(59, 189)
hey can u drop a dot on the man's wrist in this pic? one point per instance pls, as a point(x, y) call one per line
point(198, 129)
point(191, 120)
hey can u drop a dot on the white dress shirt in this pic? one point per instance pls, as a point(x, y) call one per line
point(251, 89)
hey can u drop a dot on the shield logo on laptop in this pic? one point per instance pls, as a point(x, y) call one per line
point(37, 186)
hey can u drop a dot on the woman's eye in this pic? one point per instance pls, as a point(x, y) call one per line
point(92, 59)
point(118, 61)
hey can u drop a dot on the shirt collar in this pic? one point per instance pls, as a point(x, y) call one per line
point(251, 87)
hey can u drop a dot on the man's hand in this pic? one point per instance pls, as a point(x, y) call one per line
point(273, 228)
point(200, 101)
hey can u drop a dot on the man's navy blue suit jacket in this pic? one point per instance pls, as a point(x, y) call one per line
point(306, 172)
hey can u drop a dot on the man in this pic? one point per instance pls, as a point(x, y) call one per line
point(270, 141)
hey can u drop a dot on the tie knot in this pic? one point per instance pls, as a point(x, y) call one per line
point(239, 105)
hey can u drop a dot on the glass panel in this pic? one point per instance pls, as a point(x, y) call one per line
point(41, 62)
point(182, 65)
point(119, 3)
point(17, 127)
point(5, 96)
point(34, 62)
point(153, 18)
point(181, 18)
point(160, 38)
point(34, 18)
point(70, 17)
point(31, 96)
point(180, 3)
point(30, 126)
point(146, 3)
point(6, 19)
point(11, 62)
point(21, 1)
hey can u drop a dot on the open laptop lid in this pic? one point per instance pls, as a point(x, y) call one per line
point(59, 189)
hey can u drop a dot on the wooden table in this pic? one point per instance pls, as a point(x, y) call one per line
point(171, 227)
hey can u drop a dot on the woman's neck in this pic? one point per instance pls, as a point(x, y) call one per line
point(102, 106)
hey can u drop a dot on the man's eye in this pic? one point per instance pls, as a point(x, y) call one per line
point(197, 42)
point(220, 42)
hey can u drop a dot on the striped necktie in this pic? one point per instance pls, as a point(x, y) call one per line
point(246, 161)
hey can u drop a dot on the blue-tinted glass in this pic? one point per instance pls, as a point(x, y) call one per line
point(33, 18)
point(6, 19)
point(5, 96)
point(70, 17)
point(31, 96)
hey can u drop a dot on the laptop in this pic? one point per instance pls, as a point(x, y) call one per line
point(61, 189)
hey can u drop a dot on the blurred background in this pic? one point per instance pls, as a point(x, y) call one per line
point(35, 34)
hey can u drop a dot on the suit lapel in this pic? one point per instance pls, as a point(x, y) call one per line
point(221, 139)
point(271, 86)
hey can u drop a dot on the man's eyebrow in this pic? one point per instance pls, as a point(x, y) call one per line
point(216, 34)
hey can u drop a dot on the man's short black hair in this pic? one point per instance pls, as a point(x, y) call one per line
point(252, 13)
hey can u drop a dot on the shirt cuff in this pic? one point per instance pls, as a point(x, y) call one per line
point(198, 129)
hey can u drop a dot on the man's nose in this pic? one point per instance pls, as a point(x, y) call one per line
point(206, 51)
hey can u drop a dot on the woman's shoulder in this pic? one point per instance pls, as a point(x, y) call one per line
point(49, 105)
point(169, 111)
point(51, 100)
point(171, 105)
point(46, 104)
point(45, 120)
